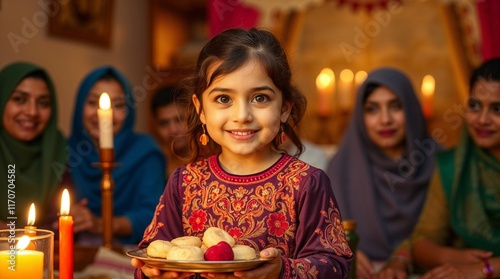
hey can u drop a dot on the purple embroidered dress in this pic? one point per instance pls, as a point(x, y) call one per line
point(289, 206)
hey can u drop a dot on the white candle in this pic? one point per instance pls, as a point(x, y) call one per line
point(345, 89)
point(325, 84)
point(105, 115)
point(428, 86)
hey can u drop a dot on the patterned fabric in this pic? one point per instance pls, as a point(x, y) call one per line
point(290, 206)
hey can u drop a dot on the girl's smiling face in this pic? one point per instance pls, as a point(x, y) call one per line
point(243, 111)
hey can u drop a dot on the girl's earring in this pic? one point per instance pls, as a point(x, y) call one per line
point(282, 135)
point(204, 139)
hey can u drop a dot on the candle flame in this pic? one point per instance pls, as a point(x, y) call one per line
point(104, 101)
point(23, 242)
point(325, 78)
point(31, 215)
point(428, 85)
point(65, 202)
point(346, 76)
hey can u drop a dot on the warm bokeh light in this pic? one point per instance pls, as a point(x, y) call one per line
point(360, 77)
point(346, 76)
point(31, 215)
point(428, 85)
point(65, 202)
point(104, 101)
point(325, 78)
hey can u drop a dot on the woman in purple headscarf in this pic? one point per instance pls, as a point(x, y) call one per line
point(381, 171)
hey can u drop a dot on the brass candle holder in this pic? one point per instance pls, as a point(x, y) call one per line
point(107, 164)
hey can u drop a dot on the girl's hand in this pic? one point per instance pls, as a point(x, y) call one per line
point(463, 271)
point(394, 269)
point(364, 267)
point(270, 269)
point(154, 273)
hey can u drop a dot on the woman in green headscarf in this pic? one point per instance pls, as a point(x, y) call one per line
point(458, 234)
point(32, 149)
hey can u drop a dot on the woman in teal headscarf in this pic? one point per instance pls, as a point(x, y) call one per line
point(458, 233)
point(32, 149)
point(138, 180)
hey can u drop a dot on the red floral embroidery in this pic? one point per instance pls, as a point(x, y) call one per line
point(235, 233)
point(277, 224)
point(197, 220)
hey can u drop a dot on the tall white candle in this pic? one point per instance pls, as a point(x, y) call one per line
point(105, 115)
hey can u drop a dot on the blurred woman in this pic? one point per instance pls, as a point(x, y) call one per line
point(458, 233)
point(139, 178)
point(33, 150)
point(382, 168)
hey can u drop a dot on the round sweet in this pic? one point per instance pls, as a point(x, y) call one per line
point(159, 248)
point(243, 252)
point(203, 247)
point(187, 241)
point(185, 253)
point(214, 235)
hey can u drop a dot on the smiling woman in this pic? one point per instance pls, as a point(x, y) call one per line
point(29, 140)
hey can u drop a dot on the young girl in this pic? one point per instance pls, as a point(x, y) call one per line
point(243, 106)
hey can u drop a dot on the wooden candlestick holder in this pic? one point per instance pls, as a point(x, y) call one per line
point(107, 164)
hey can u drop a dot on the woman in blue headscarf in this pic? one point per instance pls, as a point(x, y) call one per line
point(139, 178)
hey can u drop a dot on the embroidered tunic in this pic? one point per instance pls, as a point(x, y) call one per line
point(289, 206)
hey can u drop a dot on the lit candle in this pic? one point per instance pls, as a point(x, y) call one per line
point(30, 227)
point(18, 263)
point(65, 239)
point(345, 89)
point(325, 83)
point(428, 86)
point(105, 116)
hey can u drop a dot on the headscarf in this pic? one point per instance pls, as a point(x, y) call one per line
point(383, 195)
point(130, 148)
point(39, 164)
point(471, 188)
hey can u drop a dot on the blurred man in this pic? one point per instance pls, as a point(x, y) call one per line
point(168, 123)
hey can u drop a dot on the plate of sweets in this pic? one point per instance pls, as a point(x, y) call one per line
point(215, 252)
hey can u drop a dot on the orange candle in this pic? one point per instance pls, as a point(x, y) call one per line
point(18, 263)
point(65, 239)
